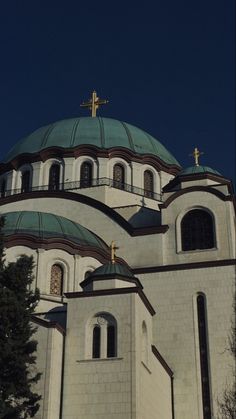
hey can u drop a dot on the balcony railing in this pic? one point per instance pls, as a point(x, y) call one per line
point(77, 185)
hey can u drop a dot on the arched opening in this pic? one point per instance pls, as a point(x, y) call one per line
point(197, 230)
point(54, 177)
point(3, 188)
point(56, 283)
point(104, 336)
point(25, 181)
point(111, 344)
point(148, 184)
point(118, 176)
point(203, 351)
point(86, 175)
point(96, 342)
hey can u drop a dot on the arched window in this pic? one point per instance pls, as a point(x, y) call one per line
point(3, 188)
point(54, 177)
point(86, 175)
point(118, 176)
point(56, 283)
point(197, 230)
point(203, 350)
point(25, 181)
point(111, 348)
point(104, 336)
point(148, 184)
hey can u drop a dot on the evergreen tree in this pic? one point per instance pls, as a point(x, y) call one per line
point(17, 359)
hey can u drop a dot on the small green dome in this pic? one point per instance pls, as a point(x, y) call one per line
point(104, 133)
point(45, 225)
point(110, 270)
point(198, 169)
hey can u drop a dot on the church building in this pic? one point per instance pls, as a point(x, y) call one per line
point(135, 262)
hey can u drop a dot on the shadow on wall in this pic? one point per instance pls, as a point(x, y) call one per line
point(145, 217)
point(58, 315)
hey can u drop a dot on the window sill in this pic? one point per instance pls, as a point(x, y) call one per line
point(183, 252)
point(99, 359)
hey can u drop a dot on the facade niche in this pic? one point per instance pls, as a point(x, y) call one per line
point(86, 175)
point(118, 176)
point(56, 283)
point(197, 230)
point(54, 177)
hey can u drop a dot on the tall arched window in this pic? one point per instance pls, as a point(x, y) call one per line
point(197, 230)
point(25, 181)
point(54, 177)
point(104, 336)
point(56, 283)
point(3, 188)
point(96, 342)
point(86, 175)
point(118, 176)
point(148, 184)
point(203, 350)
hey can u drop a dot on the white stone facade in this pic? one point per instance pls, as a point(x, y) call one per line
point(138, 382)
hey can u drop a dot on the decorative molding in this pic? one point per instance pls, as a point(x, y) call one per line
point(116, 291)
point(48, 324)
point(184, 266)
point(208, 189)
point(104, 277)
point(195, 177)
point(132, 231)
point(93, 152)
point(162, 361)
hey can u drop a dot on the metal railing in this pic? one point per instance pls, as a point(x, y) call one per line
point(83, 184)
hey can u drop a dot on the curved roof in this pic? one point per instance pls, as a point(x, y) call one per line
point(104, 133)
point(45, 225)
point(198, 169)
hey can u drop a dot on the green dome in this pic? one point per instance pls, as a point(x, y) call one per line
point(111, 269)
point(103, 133)
point(45, 225)
point(198, 169)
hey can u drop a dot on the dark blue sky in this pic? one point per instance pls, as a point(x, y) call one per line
point(165, 66)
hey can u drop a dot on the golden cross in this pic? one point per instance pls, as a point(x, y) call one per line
point(113, 248)
point(196, 154)
point(94, 103)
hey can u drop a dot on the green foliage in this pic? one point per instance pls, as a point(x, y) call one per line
point(17, 349)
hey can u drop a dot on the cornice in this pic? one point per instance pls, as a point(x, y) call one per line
point(195, 177)
point(132, 231)
point(199, 188)
point(93, 152)
point(116, 291)
point(184, 266)
point(162, 361)
point(48, 324)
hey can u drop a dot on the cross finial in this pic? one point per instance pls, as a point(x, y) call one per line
point(94, 103)
point(196, 154)
point(113, 248)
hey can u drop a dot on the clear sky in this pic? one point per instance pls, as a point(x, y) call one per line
point(166, 66)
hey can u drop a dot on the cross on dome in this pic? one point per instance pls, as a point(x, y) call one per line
point(94, 103)
point(113, 248)
point(196, 154)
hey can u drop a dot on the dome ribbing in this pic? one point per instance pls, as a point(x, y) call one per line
point(104, 133)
